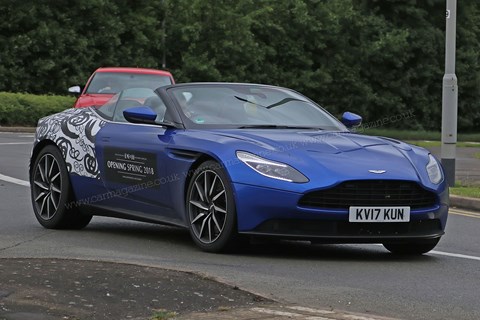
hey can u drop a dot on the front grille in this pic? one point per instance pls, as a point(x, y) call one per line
point(370, 193)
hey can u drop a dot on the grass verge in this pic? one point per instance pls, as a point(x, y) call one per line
point(470, 192)
point(461, 144)
point(163, 314)
point(418, 135)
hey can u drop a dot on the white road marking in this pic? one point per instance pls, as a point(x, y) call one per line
point(13, 143)
point(455, 255)
point(14, 180)
point(27, 136)
point(447, 254)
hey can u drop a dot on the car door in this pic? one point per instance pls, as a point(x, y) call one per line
point(133, 163)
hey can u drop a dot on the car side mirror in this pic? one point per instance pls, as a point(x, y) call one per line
point(140, 115)
point(75, 89)
point(351, 120)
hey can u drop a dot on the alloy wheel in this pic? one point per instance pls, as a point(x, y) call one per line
point(47, 186)
point(208, 206)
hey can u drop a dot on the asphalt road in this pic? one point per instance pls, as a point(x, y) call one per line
point(444, 284)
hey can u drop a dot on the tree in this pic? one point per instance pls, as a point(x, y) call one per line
point(375, 57)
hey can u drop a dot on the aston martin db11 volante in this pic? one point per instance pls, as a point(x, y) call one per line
point(232, 161)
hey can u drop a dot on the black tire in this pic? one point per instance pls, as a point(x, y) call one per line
point(51, 192)
point(211, 214)
point(412, 248)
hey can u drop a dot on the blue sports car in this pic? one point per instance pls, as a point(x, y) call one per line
point(230, 161)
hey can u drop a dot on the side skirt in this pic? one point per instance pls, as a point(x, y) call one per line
point(129, 215)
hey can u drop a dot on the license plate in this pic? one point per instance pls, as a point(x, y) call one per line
point(379, 214)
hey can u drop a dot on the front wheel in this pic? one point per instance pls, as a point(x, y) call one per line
point(210, 207)
point(52, 196)
point(412, 248)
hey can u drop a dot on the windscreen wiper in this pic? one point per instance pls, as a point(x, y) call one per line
point(252, 102)
point(279, 103)
point(276, 104)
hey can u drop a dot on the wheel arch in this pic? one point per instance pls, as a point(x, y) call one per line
point(226, 237)
point(36, 150)
point(203, 157)
point(66, 214)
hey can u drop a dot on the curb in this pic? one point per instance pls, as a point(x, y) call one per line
point(464, 202)
point(18, 129)
point(279, 312)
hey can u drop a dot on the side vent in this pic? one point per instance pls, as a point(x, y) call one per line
point(184, 154)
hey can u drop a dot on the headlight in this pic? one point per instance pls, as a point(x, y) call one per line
point(433, 170)
point(271, 169)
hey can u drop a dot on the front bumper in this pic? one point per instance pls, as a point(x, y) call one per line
point(272, 212)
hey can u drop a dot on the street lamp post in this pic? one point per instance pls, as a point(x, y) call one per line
point(450, 96)
point(164, 35)
point(164, 43)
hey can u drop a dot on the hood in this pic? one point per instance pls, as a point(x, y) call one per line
point(331, 157)
point(314, 141)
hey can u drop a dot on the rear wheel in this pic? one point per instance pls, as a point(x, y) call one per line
point(51, 192)
point(412, 248)
point(211, 208)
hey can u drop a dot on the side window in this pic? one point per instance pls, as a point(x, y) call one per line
point(121, 106)
point(138, 97)
point(107, 110)
point(157, 105)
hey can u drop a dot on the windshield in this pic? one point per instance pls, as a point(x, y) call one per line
point(249, 106)
point(114, 82)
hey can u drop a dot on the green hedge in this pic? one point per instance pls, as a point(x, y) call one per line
point(20, 109)
point(379, 58)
